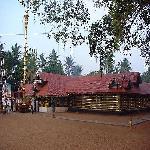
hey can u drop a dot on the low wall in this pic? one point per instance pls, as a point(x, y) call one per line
point(49, 109)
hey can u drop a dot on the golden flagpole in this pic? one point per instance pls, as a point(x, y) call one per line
point(26, 19)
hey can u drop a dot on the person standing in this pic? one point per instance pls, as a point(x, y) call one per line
point(32, 109)
point(11, 104)
point(53, 105)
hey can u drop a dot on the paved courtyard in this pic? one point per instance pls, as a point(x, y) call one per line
point(74, 131)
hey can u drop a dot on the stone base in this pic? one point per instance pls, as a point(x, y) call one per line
point(49, 109)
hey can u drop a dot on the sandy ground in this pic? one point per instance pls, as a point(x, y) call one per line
point(24, 131)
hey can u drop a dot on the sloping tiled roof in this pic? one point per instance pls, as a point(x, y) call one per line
point(143, 89)
point(28, 89)
point(60, 85)
point(97, 84)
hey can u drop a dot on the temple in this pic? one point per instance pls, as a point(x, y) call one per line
point(111, 92)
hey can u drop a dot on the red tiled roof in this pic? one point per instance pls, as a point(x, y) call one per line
point(143, 89)
point(60, 85)
point(97, 84)
point(43, 91)
point(28, 89)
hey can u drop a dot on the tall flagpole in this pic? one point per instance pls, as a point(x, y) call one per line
point(26, 19)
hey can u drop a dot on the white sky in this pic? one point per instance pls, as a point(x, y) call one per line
point(11, 14)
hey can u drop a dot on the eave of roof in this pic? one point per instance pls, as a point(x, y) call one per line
point(61, 85)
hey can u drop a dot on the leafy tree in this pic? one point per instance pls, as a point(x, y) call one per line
point(71, 68)
point(69, 65)
point(101, 41)
point(117, 68)
point(124, 66)
point(94, 73)
point(32, 65)
point(53, 64)
point(109, 63)
point(13, 66)
point(129, 24)
point(76, 70)
point(146, 76)
point(1, 46)
point(65, 17)
point(42, 61)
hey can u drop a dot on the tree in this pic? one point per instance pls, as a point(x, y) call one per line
point(109, 63)
point(69, 64)
point(146, 76)
point(101, 41)
point(42, 61)
point(76, 70)
point(124, 66)
point(53, 64)
point(65, 17)
point(32, 65)
point(126, 24)
point(13, 66)
point(129, 23)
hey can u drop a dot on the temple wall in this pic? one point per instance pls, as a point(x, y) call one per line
point(115, 103)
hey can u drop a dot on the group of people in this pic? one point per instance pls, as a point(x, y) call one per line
point(8, 106)
point(52, 103)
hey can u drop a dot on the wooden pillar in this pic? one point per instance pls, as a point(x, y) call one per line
point(118, 98)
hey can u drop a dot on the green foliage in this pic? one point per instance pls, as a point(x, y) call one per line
point(109, 63)
point(13, 66)
point(1, 46)
point(32, 65)
point(146, 76)
point(42, 61)
point(71, 68)
point(69, 64)
point(53, 64)
point(65, 18)
point(76, 70)
point(126, 25)
point(123, 66)
point(94, 73)
point(101, 41)
point(130, 21)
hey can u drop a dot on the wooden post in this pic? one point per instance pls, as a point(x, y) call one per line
point(130, 121)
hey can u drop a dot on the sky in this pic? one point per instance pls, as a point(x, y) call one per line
point(11, 15)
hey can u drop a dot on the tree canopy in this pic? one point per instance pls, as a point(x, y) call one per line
point(76, 70)
point(124, 66)
point(129, 22)
point(71, 68)
point(14, 66)
point(69, 64)
point(126, 25)
point(146, 75)
point(32, 64)
point(53, 64)
point(64, 17)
